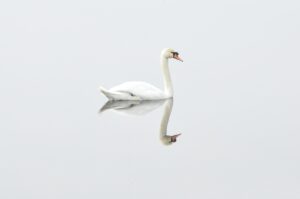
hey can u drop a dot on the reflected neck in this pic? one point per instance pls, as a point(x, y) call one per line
point(168, 88)
point(164, 122)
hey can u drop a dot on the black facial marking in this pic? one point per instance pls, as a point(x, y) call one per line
point(175, 54)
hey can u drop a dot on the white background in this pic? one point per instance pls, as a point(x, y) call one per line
point(236, 99)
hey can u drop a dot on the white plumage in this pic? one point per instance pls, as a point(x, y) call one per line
point(134, 91)
point(138, 90)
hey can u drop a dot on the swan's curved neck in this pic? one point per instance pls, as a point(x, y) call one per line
point(166, 77)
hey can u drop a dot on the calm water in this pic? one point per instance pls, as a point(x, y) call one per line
point(236, 102)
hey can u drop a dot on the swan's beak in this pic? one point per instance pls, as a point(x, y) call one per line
point(178, 58)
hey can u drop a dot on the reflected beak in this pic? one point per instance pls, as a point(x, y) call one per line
point(178, 58)
point(173, 137)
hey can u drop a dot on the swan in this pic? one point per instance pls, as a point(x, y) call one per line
point(136, 90)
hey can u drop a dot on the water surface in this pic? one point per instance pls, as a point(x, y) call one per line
point(236, 100)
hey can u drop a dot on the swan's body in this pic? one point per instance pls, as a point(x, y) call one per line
point(136, 90)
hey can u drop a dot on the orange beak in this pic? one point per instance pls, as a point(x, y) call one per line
point(178, 58)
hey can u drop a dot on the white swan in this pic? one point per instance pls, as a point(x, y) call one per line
point(142, 90)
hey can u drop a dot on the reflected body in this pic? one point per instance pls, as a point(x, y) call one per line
point(136, 90)
point(134, 107)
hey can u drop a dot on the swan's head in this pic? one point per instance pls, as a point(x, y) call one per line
point(170, 53)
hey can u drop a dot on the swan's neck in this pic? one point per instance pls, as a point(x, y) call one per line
point(166, 77)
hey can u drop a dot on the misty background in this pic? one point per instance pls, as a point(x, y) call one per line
point(236, 99)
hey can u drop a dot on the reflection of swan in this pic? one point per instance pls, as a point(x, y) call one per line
point(132, 107)
point(167, 139)
point(142, 90)
point(143, 107)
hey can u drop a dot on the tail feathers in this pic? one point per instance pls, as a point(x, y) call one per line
point(114, 95)
point(107, 93)
point(102, 89)
point(118, 95)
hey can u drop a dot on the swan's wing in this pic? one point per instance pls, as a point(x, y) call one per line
point(118, 95)
point(140, 89)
